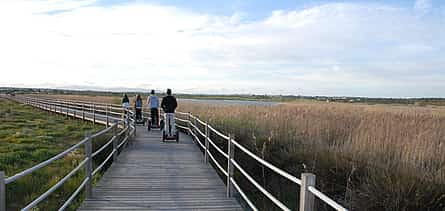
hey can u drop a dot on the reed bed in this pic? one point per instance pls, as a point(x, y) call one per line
point(368, 157)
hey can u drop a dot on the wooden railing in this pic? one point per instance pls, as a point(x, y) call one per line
point(123, 130)
point(106, 113)
point(308, 191)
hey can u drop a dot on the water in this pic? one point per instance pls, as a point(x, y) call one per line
point(231, 102)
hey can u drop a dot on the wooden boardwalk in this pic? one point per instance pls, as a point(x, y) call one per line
point(151, 175)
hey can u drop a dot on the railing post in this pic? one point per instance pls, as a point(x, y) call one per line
point(195, 121)
point(127, 134)
point(306, 197)
point(206, 152)
point(89, 166)
point(114, 144)
point(189, 116)
point(231, 153)
point(2, 191)
point(83, 112)
point(94, 114)
point(66, 108)
point(106, 113)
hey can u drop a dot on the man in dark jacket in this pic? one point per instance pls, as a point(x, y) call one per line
point(169, 105)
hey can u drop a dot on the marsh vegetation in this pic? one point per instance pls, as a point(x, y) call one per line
point(29, 136)
point(366, 157)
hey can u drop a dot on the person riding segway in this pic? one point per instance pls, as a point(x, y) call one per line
point(125, 105)
point(138, 109)
point(153, 105)
point(169, 105)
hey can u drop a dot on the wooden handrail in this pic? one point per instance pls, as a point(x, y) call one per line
point(310, 190)
point(65, 107)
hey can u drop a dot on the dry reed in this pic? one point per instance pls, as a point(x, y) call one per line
point(372, 157)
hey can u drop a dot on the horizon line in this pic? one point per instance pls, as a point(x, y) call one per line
point(147, 91)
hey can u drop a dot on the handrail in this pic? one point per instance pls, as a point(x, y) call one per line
point(123, 142)
point(200, 121)
point(217, 164)
point(73, 196)
point(73, 109)
point(259, 187)
point(80, 103)
point(43, 164)
point(218, 133)
point(218, 149)
point(243, 195)
point(231, 160)
point(55, 187)
point(199, 142)
point(182, 120)
point(326, 199)
point(267, 164)
point(197, 129)
point(104, 162)
point(103, 147)
point(106, 130)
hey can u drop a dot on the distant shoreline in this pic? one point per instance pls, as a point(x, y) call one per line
point(245, 97)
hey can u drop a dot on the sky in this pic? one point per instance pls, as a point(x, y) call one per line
point(380, 48)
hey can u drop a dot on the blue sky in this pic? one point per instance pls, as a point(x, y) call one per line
point(254, 9)
point(315, 47)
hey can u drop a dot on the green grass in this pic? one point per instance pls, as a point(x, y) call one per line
point(29, 136)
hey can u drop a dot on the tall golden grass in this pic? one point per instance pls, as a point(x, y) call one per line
point(369, 157)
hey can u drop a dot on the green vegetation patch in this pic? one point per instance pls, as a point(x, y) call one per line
point(29, 136)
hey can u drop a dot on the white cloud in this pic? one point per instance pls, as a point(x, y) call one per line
point(423, 5)
point(348, 48)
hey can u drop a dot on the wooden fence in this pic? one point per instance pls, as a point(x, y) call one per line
point(122, 130)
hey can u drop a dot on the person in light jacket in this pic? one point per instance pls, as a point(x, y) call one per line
point(153, 105)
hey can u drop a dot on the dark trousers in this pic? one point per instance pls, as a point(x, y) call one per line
point(138, 113)
point(154, 116)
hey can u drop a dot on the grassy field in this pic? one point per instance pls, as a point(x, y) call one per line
point(29, 136)
point(367, 157)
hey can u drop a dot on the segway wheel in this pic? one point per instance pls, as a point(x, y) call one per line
point(177, 136)
point(149, 125)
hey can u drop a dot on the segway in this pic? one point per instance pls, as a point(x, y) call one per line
point(141, 119)
point(152, 125)
point(166, 135)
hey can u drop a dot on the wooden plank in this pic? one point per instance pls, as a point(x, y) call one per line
point(152, 175)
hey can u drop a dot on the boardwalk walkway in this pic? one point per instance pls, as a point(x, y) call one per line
point(151, 175)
